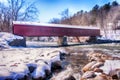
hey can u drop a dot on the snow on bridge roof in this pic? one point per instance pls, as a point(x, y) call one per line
point(53, 25)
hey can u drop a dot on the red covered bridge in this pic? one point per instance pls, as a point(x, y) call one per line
point(41, 29)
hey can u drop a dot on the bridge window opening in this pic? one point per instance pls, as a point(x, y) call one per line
point(55, 41)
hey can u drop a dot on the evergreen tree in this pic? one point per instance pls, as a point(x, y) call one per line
point(115, 3)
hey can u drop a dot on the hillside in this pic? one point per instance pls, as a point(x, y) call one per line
point(106, 17)
point(99, 16)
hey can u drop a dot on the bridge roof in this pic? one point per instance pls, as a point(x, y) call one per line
point(53, 25)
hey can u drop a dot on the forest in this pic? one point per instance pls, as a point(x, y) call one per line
point(99, 16)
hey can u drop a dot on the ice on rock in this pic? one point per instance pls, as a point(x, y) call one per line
point(40, 69)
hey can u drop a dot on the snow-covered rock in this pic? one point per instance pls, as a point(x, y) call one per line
point(110, 66)
point(67, 74)
point(64, 74)
point(40, 70)
point(102, 70)
point(88, 74)
point(7, 39)
point(88, 66)
point(18, 63)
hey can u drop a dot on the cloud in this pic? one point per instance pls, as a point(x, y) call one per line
point(3, 1)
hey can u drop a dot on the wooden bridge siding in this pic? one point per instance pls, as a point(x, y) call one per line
point(30, 30)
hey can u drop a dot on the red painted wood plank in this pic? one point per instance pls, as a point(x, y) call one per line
point(46, 30)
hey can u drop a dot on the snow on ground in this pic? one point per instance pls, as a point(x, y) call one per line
point(15, 61)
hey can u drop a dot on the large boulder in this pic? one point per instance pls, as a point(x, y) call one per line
point(11, 40)
point(18, 42)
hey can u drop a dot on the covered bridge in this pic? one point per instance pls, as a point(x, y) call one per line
point(34, 29)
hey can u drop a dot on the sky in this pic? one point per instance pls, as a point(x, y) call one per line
point(49, 9)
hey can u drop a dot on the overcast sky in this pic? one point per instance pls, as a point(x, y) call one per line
point(52, 8)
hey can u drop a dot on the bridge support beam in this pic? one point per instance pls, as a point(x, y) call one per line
point(62, 41)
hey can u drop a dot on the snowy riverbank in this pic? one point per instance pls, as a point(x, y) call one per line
point(61, 63)
point(37, 63)
point(16, 62)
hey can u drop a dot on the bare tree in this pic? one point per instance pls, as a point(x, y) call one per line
point(16, 10)
point(103, 13)
point(22, 10)
point(55, 21)
point(4, 17)
point(65, 14)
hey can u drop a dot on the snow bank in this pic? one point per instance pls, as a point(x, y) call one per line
point(4, 74)
point(6, 38)
point(13, 71)
point(18, 70)
point(16, 63)
point(9, 36)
